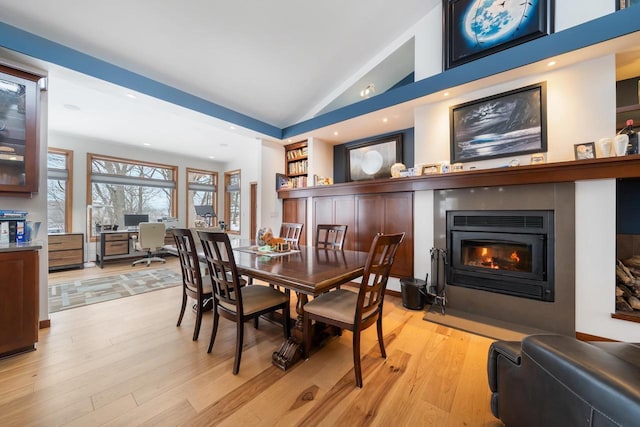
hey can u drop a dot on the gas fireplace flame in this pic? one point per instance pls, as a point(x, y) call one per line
point(514, 257)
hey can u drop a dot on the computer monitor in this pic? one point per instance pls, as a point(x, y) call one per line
point(204, 210)
point(132, 220)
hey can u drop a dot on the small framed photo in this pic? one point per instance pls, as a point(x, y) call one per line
point(431, 169)
point(537, 159)
point(586, 150)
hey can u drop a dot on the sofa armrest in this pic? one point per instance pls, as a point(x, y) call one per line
point(508, 349)
point(606, 383)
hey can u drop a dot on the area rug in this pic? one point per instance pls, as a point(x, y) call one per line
point(77, 293)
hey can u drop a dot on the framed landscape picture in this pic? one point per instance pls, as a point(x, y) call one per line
point(476, 28)
point(508, 124)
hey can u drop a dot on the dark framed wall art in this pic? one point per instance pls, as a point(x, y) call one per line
point(373, 159)
point(503, 125)
point(476, 28)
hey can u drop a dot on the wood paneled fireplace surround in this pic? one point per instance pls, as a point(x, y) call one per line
point(547, 187)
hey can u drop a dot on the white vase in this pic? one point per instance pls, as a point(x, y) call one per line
point(605, 146)
point(620, 144)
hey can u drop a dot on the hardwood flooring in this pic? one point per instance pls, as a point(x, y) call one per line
point(124, 362)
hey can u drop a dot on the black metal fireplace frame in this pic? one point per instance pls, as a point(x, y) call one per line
point(531, 227)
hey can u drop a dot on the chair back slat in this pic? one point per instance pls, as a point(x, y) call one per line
point(189, 264)
point(330, 236)
point(376, 273)
point(222, 268)
point(291, 232)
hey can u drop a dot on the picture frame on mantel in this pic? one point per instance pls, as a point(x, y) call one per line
point(503, 125)
point(373, 159)
point(474, 29)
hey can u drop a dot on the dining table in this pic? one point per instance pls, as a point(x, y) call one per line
point(305, 270)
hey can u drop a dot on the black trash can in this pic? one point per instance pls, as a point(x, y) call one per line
point(413, 293)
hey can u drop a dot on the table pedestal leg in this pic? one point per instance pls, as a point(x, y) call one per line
point(291, 350)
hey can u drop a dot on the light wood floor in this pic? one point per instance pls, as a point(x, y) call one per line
point(125, 362)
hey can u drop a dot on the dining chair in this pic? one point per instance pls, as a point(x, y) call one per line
point(233, 301)
point(291, 232)
point(330, 236)
point(150, 239)
point(356, 311)
point(194, 284)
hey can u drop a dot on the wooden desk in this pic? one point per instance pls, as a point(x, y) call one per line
point(310, 271)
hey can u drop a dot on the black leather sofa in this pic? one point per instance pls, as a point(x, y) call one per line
point(555, 380)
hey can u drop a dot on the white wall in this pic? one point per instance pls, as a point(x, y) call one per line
point(570, 13)
point(270, 213)
point(249, 161)
point(595, 262)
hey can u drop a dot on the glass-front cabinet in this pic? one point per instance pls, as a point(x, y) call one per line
point(19, 102)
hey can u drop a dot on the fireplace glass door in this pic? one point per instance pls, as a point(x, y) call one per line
point(515, 255)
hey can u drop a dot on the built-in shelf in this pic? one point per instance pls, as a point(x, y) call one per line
point(630, 317)
point(571, 171)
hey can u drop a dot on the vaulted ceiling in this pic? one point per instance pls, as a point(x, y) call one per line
point(279, 61)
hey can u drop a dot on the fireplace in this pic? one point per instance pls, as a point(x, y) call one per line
point(508, 252)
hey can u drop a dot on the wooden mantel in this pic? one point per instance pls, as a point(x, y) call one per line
point(611, 167)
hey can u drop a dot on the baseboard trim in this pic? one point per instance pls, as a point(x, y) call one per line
point(44, 324)
point(587, 337)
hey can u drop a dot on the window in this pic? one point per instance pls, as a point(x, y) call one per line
point(201, 192)
point(121, 186)
point(59, 190)
point(232, 201)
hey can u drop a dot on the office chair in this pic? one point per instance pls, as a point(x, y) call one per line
point(150, 239)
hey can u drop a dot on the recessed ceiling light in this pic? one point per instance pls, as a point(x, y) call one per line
point(212, 157)
point(385, 120)
point(146, 144)
point(551, 63)
point(445, 94)
point(335, 133)
point(130, 95)
point(71, 107)
point(232, 127)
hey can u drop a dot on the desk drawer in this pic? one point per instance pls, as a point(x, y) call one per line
point(63, 258)
point(110, 237)
point(65, 241)
point(116, 248)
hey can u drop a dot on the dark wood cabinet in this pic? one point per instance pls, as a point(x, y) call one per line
point(368, 214)
point(295, 210)
point(336, 210)
point(18, 301)
point(19, 151)
point(66, 251)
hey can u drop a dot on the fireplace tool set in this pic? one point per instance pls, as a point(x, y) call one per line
point(436, 290)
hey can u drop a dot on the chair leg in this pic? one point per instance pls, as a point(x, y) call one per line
point(356, 358)
point(214, 330)
point(306, 326)
point(184, 305)
point(255, 322)
point(380, 339)
point(240, 336)
point(196, 329)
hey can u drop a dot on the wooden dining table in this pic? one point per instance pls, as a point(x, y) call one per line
point(306, 270)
